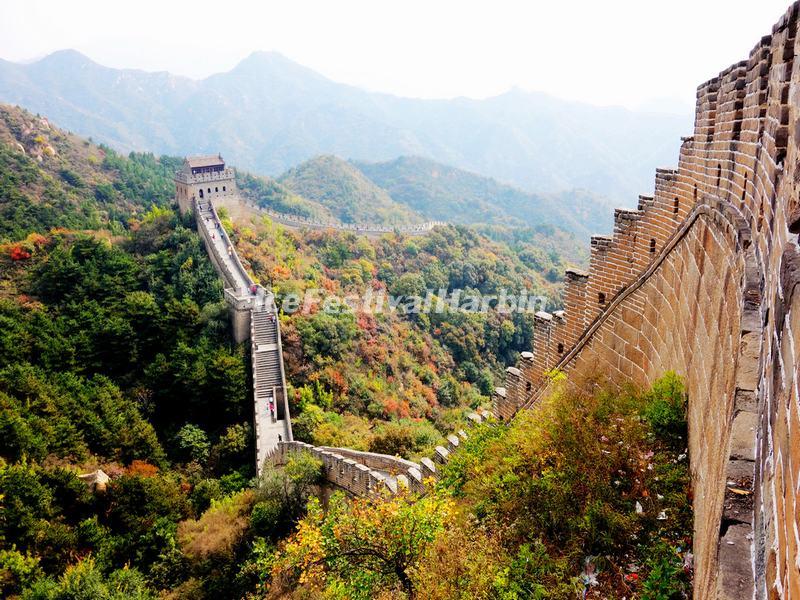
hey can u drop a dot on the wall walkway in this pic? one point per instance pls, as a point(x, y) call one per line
point(360, 473)
point(255, 317)
point(369, 229)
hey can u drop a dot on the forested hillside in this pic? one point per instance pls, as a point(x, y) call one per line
point(442, 192)
point(346, 192)
point(51, 178)
point(370, 366)
point(115, 354)
point(267, 192)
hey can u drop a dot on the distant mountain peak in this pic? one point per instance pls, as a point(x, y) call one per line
point(67, 56)
point(268, 63)
point(273, 55)
point(266, 57)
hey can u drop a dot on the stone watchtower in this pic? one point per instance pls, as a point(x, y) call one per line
point(199, 182)
point(203, 178)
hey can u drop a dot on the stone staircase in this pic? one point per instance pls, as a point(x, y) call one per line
point(272, 421)
point(265, 342)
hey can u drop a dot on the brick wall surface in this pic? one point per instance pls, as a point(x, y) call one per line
point(701, 279)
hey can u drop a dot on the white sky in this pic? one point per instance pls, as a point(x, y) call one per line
point(603, 52)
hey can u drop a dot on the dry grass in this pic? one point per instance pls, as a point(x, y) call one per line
point(219, 529)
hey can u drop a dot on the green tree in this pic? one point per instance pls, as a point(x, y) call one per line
point(364, 546)
point(282, 494)
point(84, 580)
point(193, 443)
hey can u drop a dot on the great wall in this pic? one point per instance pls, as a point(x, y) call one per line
point(699, 279)
point(702, 279)
point(361, 473)
point(368, 229)
point(202, 181)
point(254, 315)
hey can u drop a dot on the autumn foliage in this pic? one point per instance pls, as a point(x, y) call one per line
point(586, 495)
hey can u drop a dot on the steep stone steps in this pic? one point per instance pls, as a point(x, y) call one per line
point(271, 414)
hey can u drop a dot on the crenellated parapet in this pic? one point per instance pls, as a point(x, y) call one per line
point(575, 309)
point(361, 473)
point(701, 278)
point(600, 288)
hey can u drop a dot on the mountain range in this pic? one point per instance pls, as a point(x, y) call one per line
point(441, 192)
point(411, 189)
point(346, 192)
point(268, 114)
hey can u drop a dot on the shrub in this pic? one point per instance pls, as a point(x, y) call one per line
point(365, 546)
point(583, 474)
point(85, 580)
point(665, 409)
point(17, 571)
point(71, 177)
point(204, 493)
point(285, 492)
point(667, 579)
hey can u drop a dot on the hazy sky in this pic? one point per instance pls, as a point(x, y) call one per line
point(601, 52)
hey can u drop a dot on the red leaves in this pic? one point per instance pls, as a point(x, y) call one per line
point(17, 253)
point(367, 323)
point(25, 249)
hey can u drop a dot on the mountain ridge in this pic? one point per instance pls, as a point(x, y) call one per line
point(343, 189)
point(270, 113)
point(443, 192)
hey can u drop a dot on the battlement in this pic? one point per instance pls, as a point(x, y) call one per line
point(203, 178)
point(694, 280)
point(188, 178)
point(362, 473)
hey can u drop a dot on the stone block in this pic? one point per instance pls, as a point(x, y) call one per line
point(428, 468)
point(743, 436)
point(735, 580)
point(441, 455)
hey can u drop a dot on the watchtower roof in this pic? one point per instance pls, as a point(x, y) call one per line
point(198, 162)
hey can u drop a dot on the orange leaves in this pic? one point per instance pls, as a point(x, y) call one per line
point(280, 272)
point(335, 380)
point(142, 468)
point(330, 285)
point(366, 322)
point(36, 239)
point(396, 407)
